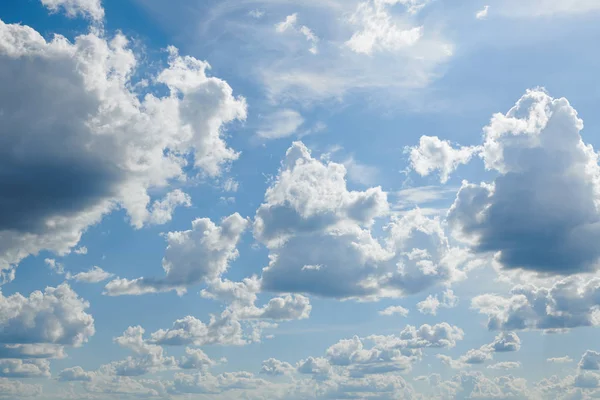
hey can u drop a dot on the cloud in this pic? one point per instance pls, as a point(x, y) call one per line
point(56, 316)
point(123, 143)
point(17, 368)
point(506, 365)
point(81, 250)
point(87, 8)
point(434, 154)
point(504, 342)
point(431, 304)
point(94, 275)
point(75, 374)
point(206, 383)
point(162, 210)
point(540, 213)
point(483, 13)
point(393, 310)
point(200, 254)
point(560, 360)
point(280, 124)
point(196, 359)
point(377, 30)
point(274, 367)
point(569, 303)
point(590, 361)
point(13, 388)
point(290, 24)
point(309, 206)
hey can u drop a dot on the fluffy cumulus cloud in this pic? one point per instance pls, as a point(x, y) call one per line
point(10, 389)
point(56, 316)
point(378, 31)
point(94, 275)
point(541, 212)
point(433, 154)
point(122, 142)
point(194, 256)
point(88, 8)
point(432, 303)
point(504, 342)
point(75, 374)
point(394, 310)
point(309, 206)
point(569, 303)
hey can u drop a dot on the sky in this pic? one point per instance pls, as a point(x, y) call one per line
point(309, 199)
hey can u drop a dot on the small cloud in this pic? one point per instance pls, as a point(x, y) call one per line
point(560, 360)
point(256, 13)
point(290, 24)
point(280, 124)
point(394, 310)
point(81, 250)
point(230, 185)
point(482, 14)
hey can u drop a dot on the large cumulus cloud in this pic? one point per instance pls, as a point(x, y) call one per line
point(541, 212)
point(308, 206)
point(79, 140)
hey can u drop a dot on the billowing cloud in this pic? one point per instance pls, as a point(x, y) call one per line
point(194, 256)
point(56, 316)
point(569, 303)
point(122, 143)
point(590, 361)
point(309, 206)
point(541, 213)
point(18, 368)
point(275, 367)
point(10, 389)
point(75, 374)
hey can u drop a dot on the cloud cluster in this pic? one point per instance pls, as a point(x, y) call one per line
point(87, 8)
point(122, 142)
point(569, 303)
point(309, 206)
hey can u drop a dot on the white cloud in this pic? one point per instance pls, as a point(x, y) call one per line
point(590, 361)
point(88, 8)
point(17, 368)
point(55, 316)
point(13, 388)
point(81, 250)
point(123, 143)
point(378, 31)
point(274, 367)
point(527, 215)
point(434, 154)
point(94, 275)
point(162, 210)
point(196, 359)
point(483, 13)
point(431, 304)
point(569, 303)
point(560, 360)
point(393, 310)
point(75, 374)
point(55, 266)
point(200, 254)
point(290, 24)
point(309, 206)
point(361, 173)
point(258, 14)
point(280, 124)
point(505, 365)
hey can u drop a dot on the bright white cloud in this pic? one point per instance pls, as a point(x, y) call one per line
point(88, 8)
point(569, 303)
point(483, 13)
point(121, 144)
point(309, 206)
point(434, 154)
point(378, 31)
point(94, 275)
point(55, 316)
point(560, 360)
point(394, 310)
point(290, 24)
point(431, 304)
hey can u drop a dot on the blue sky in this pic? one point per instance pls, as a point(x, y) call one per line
point(267, 199)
